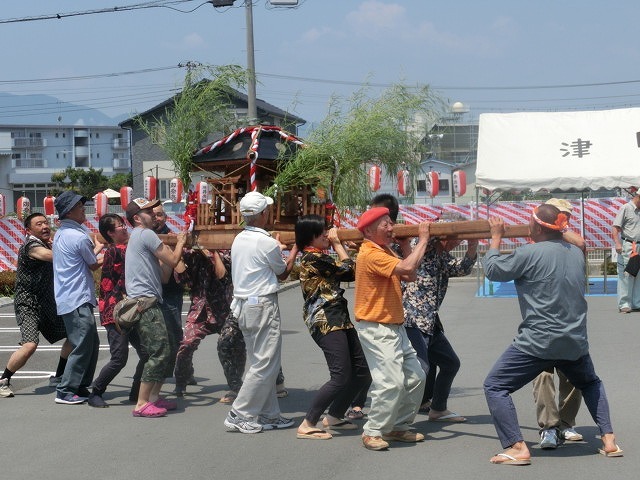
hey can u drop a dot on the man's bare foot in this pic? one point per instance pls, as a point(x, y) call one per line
point(516, 454)
point(445, 416)
point(609, 446)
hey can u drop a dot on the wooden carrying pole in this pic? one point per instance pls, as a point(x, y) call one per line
point(475, 229)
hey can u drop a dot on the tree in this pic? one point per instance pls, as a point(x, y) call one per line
point(86, 182)
point(366, 131)
point(201, 108)
point(119, 180)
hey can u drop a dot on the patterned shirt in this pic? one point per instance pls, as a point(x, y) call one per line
point(422, 298)
point(111, 282)
point(34, 285)
point(325, 308)
point(210, 296)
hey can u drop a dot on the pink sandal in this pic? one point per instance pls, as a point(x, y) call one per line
point(149, 410)
point(166, 404)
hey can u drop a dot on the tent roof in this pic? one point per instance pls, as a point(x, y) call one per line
point(559, 150)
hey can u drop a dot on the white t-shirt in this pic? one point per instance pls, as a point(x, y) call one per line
point(256, 261)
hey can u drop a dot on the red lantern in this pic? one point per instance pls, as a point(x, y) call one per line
point(101, 201)
point(49, 205)
point(23, 208)
point(175, 190)
point(3, 205)
point(404, 185)
point(374, 178)
point(433, 183)
point(202, 192)
point(125, 196)
point(150, 188)
point(459, 183)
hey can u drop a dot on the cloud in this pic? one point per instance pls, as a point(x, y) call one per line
point(378, 24)
point(193, 40)
point(374, 15)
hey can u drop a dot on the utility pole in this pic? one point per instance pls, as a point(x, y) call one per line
point(252, 110)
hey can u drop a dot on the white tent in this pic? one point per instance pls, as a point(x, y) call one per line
point(110, 193)
point(559, 151)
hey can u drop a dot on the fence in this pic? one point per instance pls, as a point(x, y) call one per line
point(594, 220)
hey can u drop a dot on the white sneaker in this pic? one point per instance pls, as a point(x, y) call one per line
point(549, 439)
point(570, 435)
point(275, 423)
point(234, 422)
point(5, 389)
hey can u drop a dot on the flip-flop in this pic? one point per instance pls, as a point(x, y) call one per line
point(315, 435)
point(343, 425)
point(617, 453)
point(451, 417)
point(509, 460)
point(228, 398)
point(355, 414)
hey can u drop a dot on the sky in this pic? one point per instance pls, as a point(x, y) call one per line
point(493, 56)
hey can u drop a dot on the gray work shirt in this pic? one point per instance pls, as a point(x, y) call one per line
point(550, 280)
point(628, 220)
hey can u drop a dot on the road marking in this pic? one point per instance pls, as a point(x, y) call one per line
point(44, 348)
point(34, 374)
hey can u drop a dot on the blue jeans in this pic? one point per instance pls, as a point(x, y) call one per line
point(515, 369)
point(442, 365)
point(82, 333)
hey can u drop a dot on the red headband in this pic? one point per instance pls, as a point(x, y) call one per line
point(559, 225)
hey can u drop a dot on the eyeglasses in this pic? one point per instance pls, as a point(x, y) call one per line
point(120, 227)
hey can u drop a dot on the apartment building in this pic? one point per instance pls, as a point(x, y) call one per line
point(30, 154)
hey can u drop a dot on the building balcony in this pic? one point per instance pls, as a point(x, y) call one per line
point(28, 142)
point(81, 133)
point(121, 164)
point(82, 151)
point(120, 143)
point(33, 162)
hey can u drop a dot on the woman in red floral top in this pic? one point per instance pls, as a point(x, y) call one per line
point(114, 231)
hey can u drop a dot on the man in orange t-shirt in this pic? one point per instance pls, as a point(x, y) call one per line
point(398, 378)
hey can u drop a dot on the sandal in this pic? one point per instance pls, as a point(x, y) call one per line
point(354, 414)
point(228, 398)
point(149, 410)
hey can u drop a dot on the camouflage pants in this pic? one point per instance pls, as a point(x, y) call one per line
point(154, 339)
point(231, 350)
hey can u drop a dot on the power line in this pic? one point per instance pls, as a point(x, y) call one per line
point(88, 77)
point(124, 8)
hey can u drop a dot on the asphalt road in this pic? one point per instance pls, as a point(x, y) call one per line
point(41, 438)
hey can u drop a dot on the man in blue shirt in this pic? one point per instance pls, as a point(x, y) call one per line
point(74, 258)
point(550, 280)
